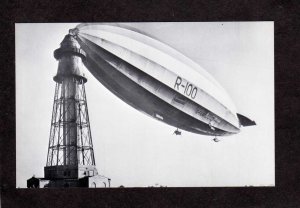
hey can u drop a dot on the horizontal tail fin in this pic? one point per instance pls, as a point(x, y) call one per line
point(245, 121)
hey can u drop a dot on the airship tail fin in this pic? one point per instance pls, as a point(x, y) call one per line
point(245, 121)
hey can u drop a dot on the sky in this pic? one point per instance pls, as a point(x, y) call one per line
point(135, 150)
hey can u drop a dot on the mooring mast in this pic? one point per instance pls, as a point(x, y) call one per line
point(70, 160)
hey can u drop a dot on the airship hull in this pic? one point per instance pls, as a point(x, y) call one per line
point(149, 95)
point(157, 80)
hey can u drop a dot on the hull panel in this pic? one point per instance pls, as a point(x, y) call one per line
point(150, 96)
point(194, 92)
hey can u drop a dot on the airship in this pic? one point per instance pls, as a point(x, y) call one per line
point(157, 80)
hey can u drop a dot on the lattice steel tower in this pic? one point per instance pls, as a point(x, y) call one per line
point(70, 152)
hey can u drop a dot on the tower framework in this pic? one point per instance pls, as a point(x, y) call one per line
point(70, 159)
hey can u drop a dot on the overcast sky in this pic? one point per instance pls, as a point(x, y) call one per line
point(135, 150)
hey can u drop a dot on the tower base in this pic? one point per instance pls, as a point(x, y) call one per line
point(96, 181)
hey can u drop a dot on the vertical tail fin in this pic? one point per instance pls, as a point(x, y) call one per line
point(245, 121)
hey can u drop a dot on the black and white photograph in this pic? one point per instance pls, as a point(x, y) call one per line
point(145, 104)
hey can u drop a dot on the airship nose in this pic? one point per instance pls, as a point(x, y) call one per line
point(73, 31)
